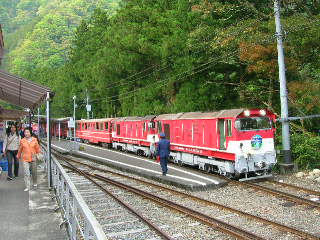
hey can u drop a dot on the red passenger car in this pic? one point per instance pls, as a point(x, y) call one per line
point(95, 131)
point(61, 128)
point(134, 134)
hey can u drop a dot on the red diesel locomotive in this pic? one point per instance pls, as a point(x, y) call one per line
point(233, 143)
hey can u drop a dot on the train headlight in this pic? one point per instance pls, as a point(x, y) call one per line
point(262, 112)
point(247, 113)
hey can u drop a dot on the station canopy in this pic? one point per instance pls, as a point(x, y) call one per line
point(1, 44)
point(21, 92)
point(8, 114)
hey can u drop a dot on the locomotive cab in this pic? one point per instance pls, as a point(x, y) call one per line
point(255, 151)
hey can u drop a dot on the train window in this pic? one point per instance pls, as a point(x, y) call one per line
point(203, 132)
point(159, 127)
point(182, 130)
point(254, 123)
point(97, 126)
point(85, 126)
point(118, 129)
point(229, 128)
point(101, 126)
point(151, 124)
point(106, 126)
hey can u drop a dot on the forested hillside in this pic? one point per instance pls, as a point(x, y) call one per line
point(171, 56)
point(164, 56)
point(161, 56)
point(38, 33)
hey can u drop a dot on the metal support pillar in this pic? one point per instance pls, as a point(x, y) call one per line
point(59, 130)
point(39, 123)
point(30, 118)
point(49, 160)
point(283, 91)
point(74, 117)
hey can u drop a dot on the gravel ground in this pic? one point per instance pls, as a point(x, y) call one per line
point(245, 199)
point(301, 182)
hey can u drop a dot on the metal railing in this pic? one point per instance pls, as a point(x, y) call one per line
point(81, 223)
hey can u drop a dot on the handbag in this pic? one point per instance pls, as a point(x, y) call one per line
point(39, 157)
point(158, 158)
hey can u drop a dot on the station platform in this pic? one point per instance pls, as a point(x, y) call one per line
point(28, 215)
point(186, 178)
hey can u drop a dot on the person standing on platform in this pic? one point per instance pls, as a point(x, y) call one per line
point(10, 149)
point(21, 131)
point(153, 148)
point(28, 149)
point(163, 151)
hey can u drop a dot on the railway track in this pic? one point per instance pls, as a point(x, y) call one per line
point(209, 221)
point(117, 218)
point(309, 191)
point(285, 195)
point(202, 217)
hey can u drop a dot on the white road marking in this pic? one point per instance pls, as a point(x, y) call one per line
point(141, 159)
point(140, 168)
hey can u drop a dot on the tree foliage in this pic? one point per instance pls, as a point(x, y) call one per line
point(162, 56)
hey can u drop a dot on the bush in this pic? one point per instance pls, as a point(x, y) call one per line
point(305, 150)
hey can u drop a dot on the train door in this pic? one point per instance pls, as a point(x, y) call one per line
point(222, 135)
point(167, 131)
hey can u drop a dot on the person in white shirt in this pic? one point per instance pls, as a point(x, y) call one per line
point(10, 149)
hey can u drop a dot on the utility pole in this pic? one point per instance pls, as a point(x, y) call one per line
point(288, 165)
point(88, 107)
point(39, 122)
point(49, 164)
point(74, 116)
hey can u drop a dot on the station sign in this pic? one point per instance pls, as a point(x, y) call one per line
point(71, 123)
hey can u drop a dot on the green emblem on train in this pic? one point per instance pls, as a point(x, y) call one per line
point(256, 142)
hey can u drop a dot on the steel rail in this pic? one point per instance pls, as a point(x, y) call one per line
point(260, 219)
point(274, 192)
point(210, 221)
point(296, 187)
point(288, 196)
point(162, 234)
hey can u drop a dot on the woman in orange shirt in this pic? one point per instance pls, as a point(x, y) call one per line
point(28, 149)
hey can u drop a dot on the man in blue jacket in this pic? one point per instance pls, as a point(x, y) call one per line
point(163, 151)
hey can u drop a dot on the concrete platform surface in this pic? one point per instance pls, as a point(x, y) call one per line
point(186, 178)
point(28, 215)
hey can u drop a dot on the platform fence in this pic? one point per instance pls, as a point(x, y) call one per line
point(81, 223)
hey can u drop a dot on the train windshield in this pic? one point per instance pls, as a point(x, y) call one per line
point(254, 123)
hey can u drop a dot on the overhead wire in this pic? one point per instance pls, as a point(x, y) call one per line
point(110, 99)
point(133, 91)
point(198, 69)
point(180, 76)
point(165, 67)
